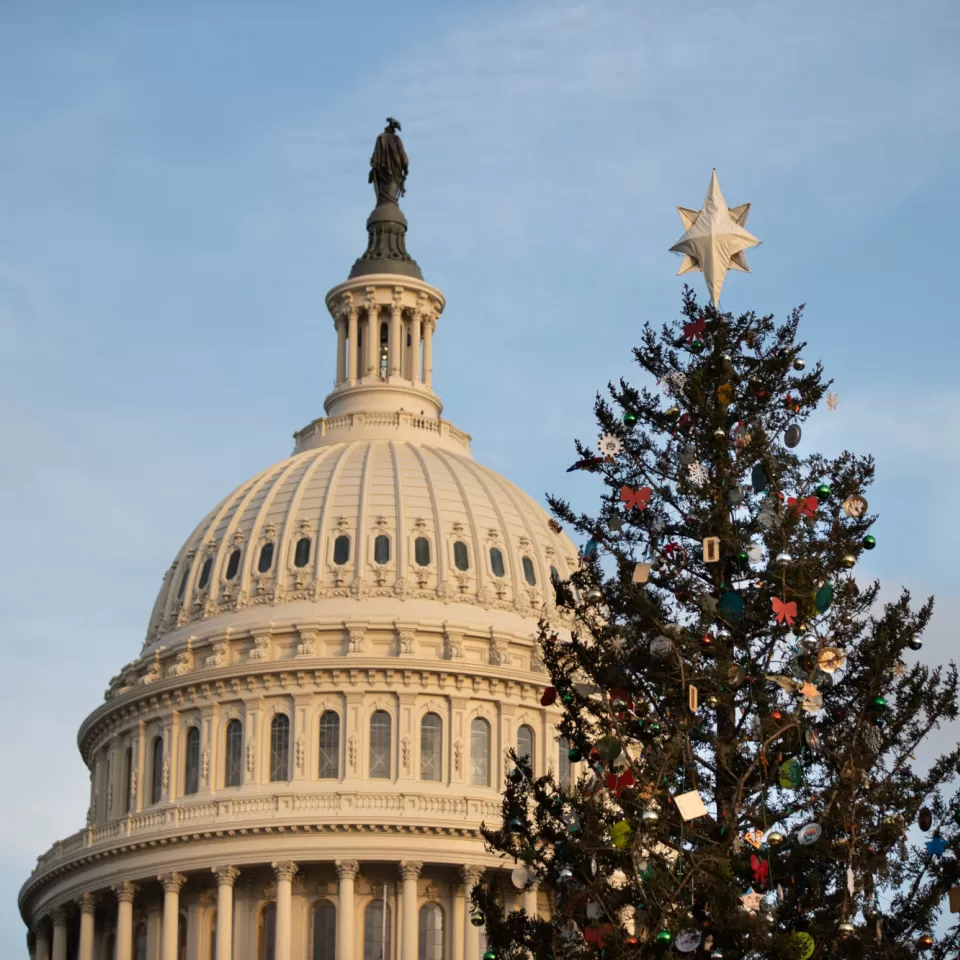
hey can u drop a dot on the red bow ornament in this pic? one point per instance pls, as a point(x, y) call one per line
point(692, 331)
point(806, 507)
point(617, 784)
point(597, 935)
point(761, 870)
point(636, 498)
point(784, 611)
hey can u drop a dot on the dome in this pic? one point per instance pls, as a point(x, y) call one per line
point(341, 657)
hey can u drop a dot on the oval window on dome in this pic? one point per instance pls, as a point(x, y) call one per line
point(341, 549)
point(496, 561)
point(529, 574)
point(266, 558)
point(182, 589)
point(554, 576)
point(461, 559)
point(205, 573)
point(301, 555)
point(233, 565)
point(421, 551)
point(381, 549)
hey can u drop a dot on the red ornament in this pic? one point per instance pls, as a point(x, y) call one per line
point(761, 870)
point(807, 507)
point(617, 784)
point(784, 611)
point(692, 331)
point(635, 498)
point(549, 697)
point(597, 935)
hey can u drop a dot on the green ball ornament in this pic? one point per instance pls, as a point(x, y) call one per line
point(567, 699)
point(574, 755)
point(869, 542)
point(629, 418)
point(879, 704)
point(490, 955)
point(823, 491)
point(516, 825)
point(477, 919)
point(664, 938)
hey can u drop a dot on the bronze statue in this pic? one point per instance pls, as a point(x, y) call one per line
point(388, 165)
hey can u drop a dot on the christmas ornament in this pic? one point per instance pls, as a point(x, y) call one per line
point(610, 445)
point(620, 834)
point(476, 919)
point(617, 879)
point(846, 930)
point(925, 942)
point(784, 611)
point(855, 506)
point(588, 463)
point(761, 870)
point(806, 506)
point(805, 945)
point(664, 938)
point(831, 659)
point(751, 901)
point(730, 606)
point(775, 838)
point(791, 775)
point(641, 572)
point(715, 240)
point(831, 401)
point(688, 941)
point(688, 454)
point(698, 474)
point(690, 805)
point(799, 363)
point(823, 598)
point(755, 552)
point(791, 436)
point(661, 646)
point(936, 846)
point(520, 877)
point(823, 491)
point(549, 697)
point(869, 542)
point(650, 818)
point(635, 498)
point(629, 418)
point(809, 834)
point(924, 819)
point(955, 900)
point(754, 838)
point(759, 479)
point(711, 549)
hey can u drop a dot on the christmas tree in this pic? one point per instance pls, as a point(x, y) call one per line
point(744, 715)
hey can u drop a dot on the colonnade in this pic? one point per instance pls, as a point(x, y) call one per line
point(402, 361)
point(49, 940)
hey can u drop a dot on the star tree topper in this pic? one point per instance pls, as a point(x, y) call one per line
point(715, 240)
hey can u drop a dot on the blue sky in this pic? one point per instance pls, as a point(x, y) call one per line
point(181, 183)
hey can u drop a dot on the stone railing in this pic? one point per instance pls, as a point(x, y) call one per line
point(310, 435)
point(272, 810)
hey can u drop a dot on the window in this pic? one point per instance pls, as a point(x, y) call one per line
point(461, 559)
point(266, 558)
point(267, 932)
point(329, 746)
point(525, 743)
point(375, 924)
point(341, 549)
point(421, 551)
point(301, 555)
point(323, 931)
point(280, 748)
point(156, 772)
point(384, 350)
point(182, 589)
point(529, 574)
point(563, 767)
point(127, 781)
point(233, 755)
point(140, 943)
point(431, 747)
point(380, 745)
point(182, 937)
point(233, 565)
point(191, 762)
point(431, 932)
point(554, 576)
point(496, 561)
point(205, 573)
point(480, 752)
point(381, 549)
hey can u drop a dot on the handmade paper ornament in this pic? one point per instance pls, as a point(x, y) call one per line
point(635, 498)
point(784, 611)
point(832, 401)
point(688, 454)
point(955, 900)
point(831, 659)
point(936, 846)
point(855, 506)
point(791, 775)
point(614, 524)
point(751, 901)
point(735, 495)
point(590, 549)
point(851, 880)
point(809, 834)
point(610, 445)
point(661, 646)
point(694, 330)
point(805, 945)
point(711, 549)
point(805, 506)
point(520, 877)
point(754, 838)
point(725, 394)
point(620, 834)
point(693, 698)
point(755, 552)
point(641, 572)
point(698, 473)
point(791, 436)
point(690, 805)
point(688, 940)
point(617, 879)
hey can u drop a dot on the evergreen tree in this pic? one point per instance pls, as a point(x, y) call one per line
point(744, 714)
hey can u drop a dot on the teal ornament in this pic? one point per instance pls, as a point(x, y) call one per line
point(731, 606)
point(823, 598)
point(759, 479)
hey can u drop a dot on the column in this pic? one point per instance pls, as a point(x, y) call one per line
point(471, 934)
point(352, 346)
point(373, 341)
point(125, 892)
point(226, 878)
point(154, 928)
point(396, 327)
point(88, 906)
point(284, 873)
point(41, 941)
point(428, 353)
point(530, 900)
point(346, 872)
point(341, 350)
point(460, 912)
point(59, 933)
point(409, 874)
point(172, 882)
point(415, 347)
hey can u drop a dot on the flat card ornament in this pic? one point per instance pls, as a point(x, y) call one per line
point(688, 940)
point(641, 572)
point(791, 775)
point(955, 900)
point(831, 659)
point(690, 805)
point(855, 506)
point(610, 445)
point(636, 498)
point(711, 549)
point(809, 834)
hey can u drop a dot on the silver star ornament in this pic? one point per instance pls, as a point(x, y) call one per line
point(715, 240)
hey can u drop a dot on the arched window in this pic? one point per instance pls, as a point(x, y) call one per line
point(341, 549)
point(233, 755)
point(461, 559)
point(421, 551)
point(156, 771)
point(266, 558)
point(496, 561)
point(554, 576)
point(182, 589)
point(205, 573)
point(280, 748)
point(323, 931)
point(480, 752)
point(127, 781)
point(233, 565)
point(182, 937)
point(139, 943)
point(380, 745)
point(529, 574)
point(375, 945)
point(266, 931)
point(431, 932)
point(384, 350)
point(431, 747)
point(191, 762)
point(381, 548)
point(301, 555)
point(213, 935)
point(329, 745)
point(563, 765)
point(525, 743)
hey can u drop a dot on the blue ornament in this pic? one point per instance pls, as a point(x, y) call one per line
point(731, 606)
point(590, 550)
point(759, 479)
point(936, 846)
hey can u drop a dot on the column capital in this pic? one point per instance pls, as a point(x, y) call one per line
point(471, 874)
point(39, 927)
point(285, 870)
point(347, 869)
point(87, 902)
point(410, 869)
point(226, 876)
point(59, 915)
point(172, 882)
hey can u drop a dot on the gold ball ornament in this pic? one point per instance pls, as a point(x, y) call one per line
point(848, 560)
point(925, 942)
point(775, 838)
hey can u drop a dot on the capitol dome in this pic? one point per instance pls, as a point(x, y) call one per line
point(297, 763)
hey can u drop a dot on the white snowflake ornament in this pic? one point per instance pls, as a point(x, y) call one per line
point(698, 473)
